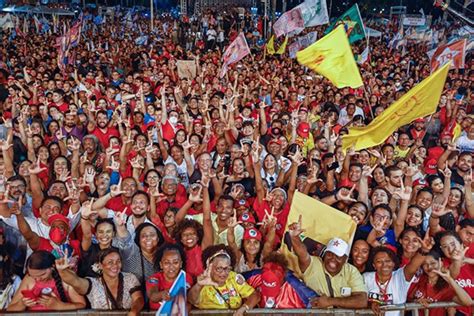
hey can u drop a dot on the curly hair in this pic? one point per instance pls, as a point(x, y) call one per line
point(386, 250)
point(42, 260)
point(211, 253)
point(185, 224)
point(277, 258)
point(166, 247)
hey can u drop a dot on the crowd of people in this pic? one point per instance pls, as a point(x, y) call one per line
point(117, 173)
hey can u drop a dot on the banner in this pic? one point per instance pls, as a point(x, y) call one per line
point(321, 223)
point(420, 101)
point(314, 13)
point(289, 21)
point(455, 52)
point(186, 69)
point(414, 20)
point(6, 22)
point(237, 50)
point(351, 17)
point(332, 57)
point(302, 42)
point(177, 305)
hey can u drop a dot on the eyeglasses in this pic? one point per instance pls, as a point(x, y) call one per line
point(223, 269)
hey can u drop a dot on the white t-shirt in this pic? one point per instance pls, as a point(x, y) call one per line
point(182, 170)
point(397, 289)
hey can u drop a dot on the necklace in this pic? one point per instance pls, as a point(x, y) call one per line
point(383, 288)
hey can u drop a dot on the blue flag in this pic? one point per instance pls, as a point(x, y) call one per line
point(177, 304)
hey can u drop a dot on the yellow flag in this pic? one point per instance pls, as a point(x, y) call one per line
point(282, 48)
point(420, 101)
point(332, 57)
point(271, 46)
point(321, 223)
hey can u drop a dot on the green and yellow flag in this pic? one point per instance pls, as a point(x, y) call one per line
point(282, 48)
point(332, 57)
point(420, 101)
point(271, 46)
point(353, 20)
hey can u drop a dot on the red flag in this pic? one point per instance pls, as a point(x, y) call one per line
point(237, 50)
point(455, 51)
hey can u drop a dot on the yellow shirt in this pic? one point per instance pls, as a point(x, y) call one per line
point(229, 295)
point(398, 153)
point(220, 238)
point(349, 277)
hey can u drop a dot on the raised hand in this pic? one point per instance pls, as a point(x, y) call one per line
point(443, 271)
point(345, 195)
point(403, 193)
point(116, 190)
point(367, 171)
point(296, 229)
point(121, 218)
point(6, 144)
point(114, 165)
point(232, 221)
point(86, 209)
point(195, 195)
point(427, 242)
point(63, 262)
point(36, 167)
point(205, 278)
point(136, 164)
point(89, 174)
point(439, 210)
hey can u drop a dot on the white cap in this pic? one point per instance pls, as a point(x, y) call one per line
point(338, 247)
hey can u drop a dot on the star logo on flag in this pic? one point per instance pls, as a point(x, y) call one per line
point(317, 61)
point(336, 243)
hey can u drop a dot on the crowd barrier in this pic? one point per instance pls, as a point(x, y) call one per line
point(258, 311)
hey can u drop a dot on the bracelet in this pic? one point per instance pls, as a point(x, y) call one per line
point(84, 218)
point(335, 197)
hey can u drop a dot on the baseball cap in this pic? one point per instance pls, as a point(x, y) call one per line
point(420, 181)
point(338, 247)
point(58, 217)
point(272, 279)
point(419, 120)
point(274, 141)
point(252, 233)
point(247, 217)
point(431, 166)
point(303, 129)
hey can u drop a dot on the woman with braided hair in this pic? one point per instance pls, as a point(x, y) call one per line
point(42, 289)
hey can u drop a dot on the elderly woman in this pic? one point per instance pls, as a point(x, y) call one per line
point(221, 288)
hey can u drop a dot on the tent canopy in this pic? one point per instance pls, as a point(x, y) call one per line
point(37, 10)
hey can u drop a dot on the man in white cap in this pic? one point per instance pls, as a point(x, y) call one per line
point(338, 283)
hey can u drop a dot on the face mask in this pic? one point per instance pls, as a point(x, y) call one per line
point(276, 131)
point(57, 235)
point(173, 120)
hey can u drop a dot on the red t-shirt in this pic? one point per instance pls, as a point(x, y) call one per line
point(282, 216)
point(158, 280)
point(116, 204)
point(178, 202)
point(465, 279)
point(45, 244)
point(194, 267)
point(105, 137)
point(422, 289)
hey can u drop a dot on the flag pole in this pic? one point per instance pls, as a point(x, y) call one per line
point(151, 14)
point(368, 103)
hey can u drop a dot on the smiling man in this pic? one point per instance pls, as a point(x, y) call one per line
point(338, 283)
